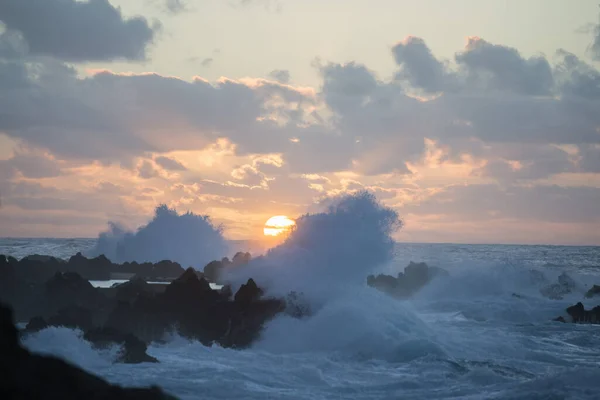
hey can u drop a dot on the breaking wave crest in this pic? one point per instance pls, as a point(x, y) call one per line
point(189, 239)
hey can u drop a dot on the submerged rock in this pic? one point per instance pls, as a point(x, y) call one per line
point(594, 291)
point(25, 375)
point(557, 291)
point(414, 277)
point(133, 350)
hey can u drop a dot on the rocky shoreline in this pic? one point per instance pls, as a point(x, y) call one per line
point(44, 291)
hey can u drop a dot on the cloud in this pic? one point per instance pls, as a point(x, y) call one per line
point(595, 46)
point(280, 75)
point(169, 164)
point(490, 128)
point(78, 31)
point(176, 6)
point(207, 62)
point(146, 170)
point(419, 66)
point(503, 68)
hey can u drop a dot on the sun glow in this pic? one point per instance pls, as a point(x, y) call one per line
point(278, 225)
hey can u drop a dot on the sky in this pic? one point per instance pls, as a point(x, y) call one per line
point(477, 120)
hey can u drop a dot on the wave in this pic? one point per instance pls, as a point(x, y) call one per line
point(189, 239)
point(328, 251)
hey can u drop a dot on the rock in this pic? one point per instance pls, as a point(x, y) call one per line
point(36, 324)
point(73, 317)
point(414, 277)
point(212, 271)
point(130, 290)
point(594, 291)
point(559, 319)
point(579, 314)
point(248, 293)
point(70, 289)
point(133, 350)
point(26, 375)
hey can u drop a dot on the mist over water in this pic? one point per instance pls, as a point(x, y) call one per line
point(483, 332)
point(189, 239)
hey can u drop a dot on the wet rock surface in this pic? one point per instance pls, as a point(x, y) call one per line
point(26, 375)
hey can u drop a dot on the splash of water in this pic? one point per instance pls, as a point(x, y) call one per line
point(189, 239)
point(331, 250)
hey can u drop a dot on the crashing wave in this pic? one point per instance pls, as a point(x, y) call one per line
point(189, 239)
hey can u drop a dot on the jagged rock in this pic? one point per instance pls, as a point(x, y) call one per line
point(212, 271)
point(579, 314)
point(36, 324)
point(69, 289)
point(72, 317)
point(594, 291)
point(414, 277)
point(133, 350)
point(130, 290)
point(25, 375)
point(248, 293)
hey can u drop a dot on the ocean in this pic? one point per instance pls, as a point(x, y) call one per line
point(462, 337)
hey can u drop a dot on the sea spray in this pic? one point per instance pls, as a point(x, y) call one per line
point(189, 239)
point(327, 258)
point(328, 251)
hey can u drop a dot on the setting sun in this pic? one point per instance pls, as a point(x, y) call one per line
point(277, 225)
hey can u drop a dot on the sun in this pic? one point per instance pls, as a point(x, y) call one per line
point(277, 225)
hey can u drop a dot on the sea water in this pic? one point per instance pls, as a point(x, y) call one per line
point(465, 336)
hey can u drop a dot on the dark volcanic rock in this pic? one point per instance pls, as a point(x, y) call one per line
point(248, 293)
point(415, 276)
point(69, 289)
point(579, 314)
point(36, 324)
point(594, 291)
point(133, 350)
point(130, 290)
point(25, 375)
point(74, 317)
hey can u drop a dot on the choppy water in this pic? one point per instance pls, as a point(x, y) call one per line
point(464, 337)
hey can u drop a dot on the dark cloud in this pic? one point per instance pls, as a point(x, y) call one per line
point(355, 122)
point(280, 75)
point(78, 31)
point(419, 67)
point(207, 62)
point(169, 164)
point(503, 68)
point(577, 78)
point(176, 6)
